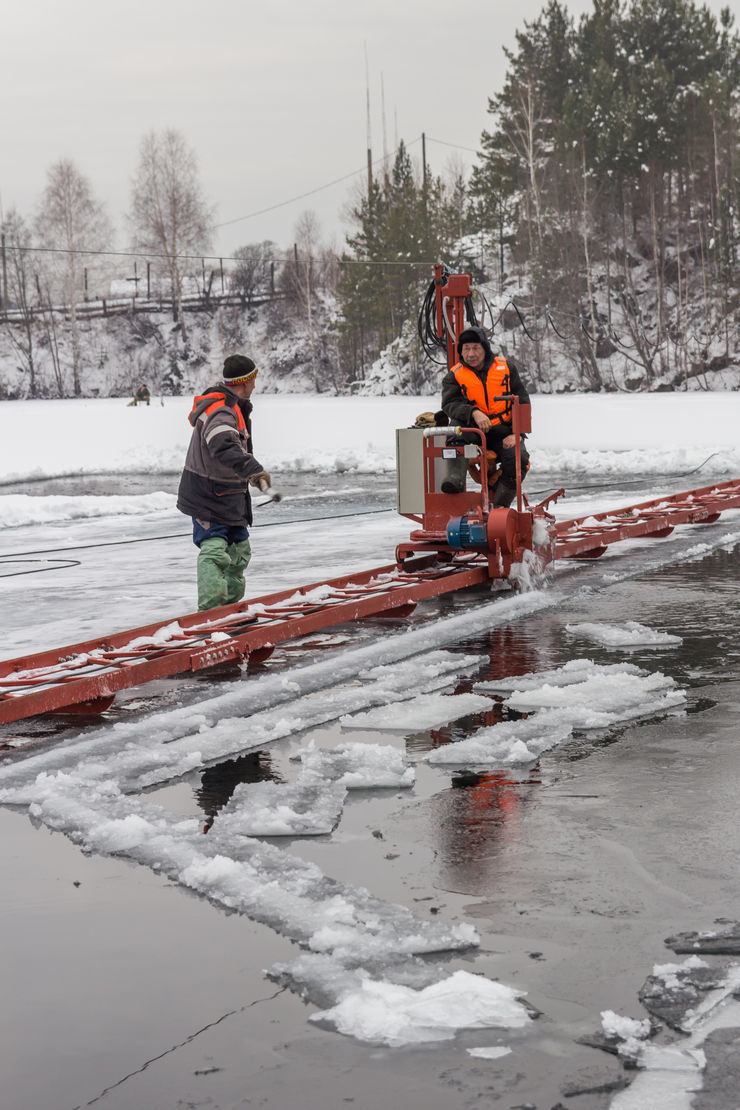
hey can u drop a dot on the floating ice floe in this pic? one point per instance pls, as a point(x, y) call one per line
point(575, 670)
point(420, 712)
point(356, 766)
point(492, 1053)
point(578, 696)
point(282, 809)
point(386, 1013)
point(506, 744)
point(631, 634)
point(603, 699)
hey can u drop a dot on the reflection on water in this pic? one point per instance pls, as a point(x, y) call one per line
point(508, 651)
point(218, 783)
point(474, 821)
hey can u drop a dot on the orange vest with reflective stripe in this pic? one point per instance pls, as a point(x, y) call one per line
point(497, 382)
point(219, 402)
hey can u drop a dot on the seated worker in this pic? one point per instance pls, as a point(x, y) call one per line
point(468, 390)
point(141, 397)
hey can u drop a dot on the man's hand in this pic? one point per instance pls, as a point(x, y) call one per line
point(508, 441)
point(261, 479)
point(481, 420)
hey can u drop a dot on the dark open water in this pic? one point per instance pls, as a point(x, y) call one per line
point(574, 874)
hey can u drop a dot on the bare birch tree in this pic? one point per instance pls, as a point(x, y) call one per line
point(19, 294)
point(70, 222)
point(169, 214)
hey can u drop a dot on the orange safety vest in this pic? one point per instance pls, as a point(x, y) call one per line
point(497, 382)
point(219, 402)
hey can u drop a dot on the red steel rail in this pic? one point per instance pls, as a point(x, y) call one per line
point(85, 677)
point(588, 537)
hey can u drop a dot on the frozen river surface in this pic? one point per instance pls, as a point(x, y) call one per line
point(149, 965)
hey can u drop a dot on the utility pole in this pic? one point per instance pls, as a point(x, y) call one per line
point(369, 139)
point(424, 195)
point(4, 290)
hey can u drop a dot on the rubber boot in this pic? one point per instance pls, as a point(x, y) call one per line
point(239, 556)
point(456, 472)
point(213, 566)
point(503, 495)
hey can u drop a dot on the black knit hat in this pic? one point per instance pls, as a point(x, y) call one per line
point(473, 334)
point(238, 369)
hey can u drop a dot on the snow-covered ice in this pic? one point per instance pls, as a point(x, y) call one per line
point(645, 433)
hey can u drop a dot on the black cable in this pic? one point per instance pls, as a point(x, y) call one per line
point(11, 560)
point(427, 326)
point(303, 520)
point(176, 536)
point(636, 482)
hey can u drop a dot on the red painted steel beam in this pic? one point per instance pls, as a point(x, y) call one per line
point(588, 537)
point(97, 669)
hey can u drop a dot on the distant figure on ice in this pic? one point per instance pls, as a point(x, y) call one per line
point(142, 396)
point(214, 487)
point(468, 390)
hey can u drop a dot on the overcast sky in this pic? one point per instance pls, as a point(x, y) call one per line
point(270, 94)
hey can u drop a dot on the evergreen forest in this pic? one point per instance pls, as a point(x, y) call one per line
point(602, 210)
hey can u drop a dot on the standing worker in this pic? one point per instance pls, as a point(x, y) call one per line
point(214, 487)
point(469, 390)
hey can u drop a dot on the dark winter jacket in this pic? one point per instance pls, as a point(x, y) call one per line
point(455, 401)
point(214, 484)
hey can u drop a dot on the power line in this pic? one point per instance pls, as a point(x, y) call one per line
point(455, 146)
point(310, 193)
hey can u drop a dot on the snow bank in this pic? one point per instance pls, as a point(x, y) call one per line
point(600, 433)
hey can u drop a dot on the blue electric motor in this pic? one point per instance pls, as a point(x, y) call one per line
point(463, 533)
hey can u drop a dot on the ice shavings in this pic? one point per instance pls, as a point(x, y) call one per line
point(614, 1025)
point(282, 809)
point(631, 634)
point(669, 973)
point(395, 1015)
point(356, 766)
point(578, 696)
point(420, 712)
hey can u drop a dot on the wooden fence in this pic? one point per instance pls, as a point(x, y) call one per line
point(123, 306)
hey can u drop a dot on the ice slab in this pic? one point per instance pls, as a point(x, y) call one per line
point(602, 699)
point(422, 711)
point(575, 670)
point(505, 744)
point(386, 1013)
point(631, 634)
point(282, 809)
point(356, 766)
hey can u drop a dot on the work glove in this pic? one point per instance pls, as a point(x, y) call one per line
point(261, 479)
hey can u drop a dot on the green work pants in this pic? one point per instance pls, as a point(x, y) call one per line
point(221, 569)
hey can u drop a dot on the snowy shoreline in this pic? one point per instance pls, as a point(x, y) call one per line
point(663, 433)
